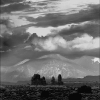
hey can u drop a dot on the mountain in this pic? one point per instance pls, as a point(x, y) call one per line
point(66, 69)
point(48, 66)
point(92, 78)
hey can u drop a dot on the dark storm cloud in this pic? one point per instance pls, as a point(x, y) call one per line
point(43, 3)
point(10, 41)
point(2, 2)
point(5, 27)
point(55, 19)
point(46, 2)
point(14, 7)
point(14, 37)
point(4, 21)
point(5, 44)
point(90, 28)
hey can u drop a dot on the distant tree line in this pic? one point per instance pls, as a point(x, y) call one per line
point(38, 80)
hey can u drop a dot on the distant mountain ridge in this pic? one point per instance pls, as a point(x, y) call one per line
point(85, 79)
point(51, 65)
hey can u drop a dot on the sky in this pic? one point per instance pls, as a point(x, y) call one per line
point(32, 29)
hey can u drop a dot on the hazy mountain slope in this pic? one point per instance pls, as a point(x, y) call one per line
point(48, 66)
point(88, 64)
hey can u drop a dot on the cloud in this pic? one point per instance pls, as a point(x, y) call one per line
point(85, 42)
point(15, 20)
point(58, 8)
point(18, 21)
point(96, 60)
point(4, 29)
point(17, 38)
point(76, 32)
point(33, 16)
point(56, 19)
point(40, 31)
point(90, 27)
point(21, 62)
point(2, 2)
point(82, 43)
point(34, 0)
point(70, 4)
point(51, 43)
point(14, 7)
point(79, 46)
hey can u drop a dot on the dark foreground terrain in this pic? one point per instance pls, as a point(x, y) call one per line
point(23, 92)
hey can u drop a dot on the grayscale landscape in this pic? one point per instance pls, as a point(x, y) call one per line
point(49, 46)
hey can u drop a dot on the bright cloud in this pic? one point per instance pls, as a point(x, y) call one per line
point(40, 31)
point(51, 43)
point(15, 20)
point(63, 4)
point(19, 21)
point(35, 15)
point(84, 42)
point(34, 0)
point(96, 60)
point(22, 62)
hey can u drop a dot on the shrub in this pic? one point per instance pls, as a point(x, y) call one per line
point(75, 96)
point(84, 89)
